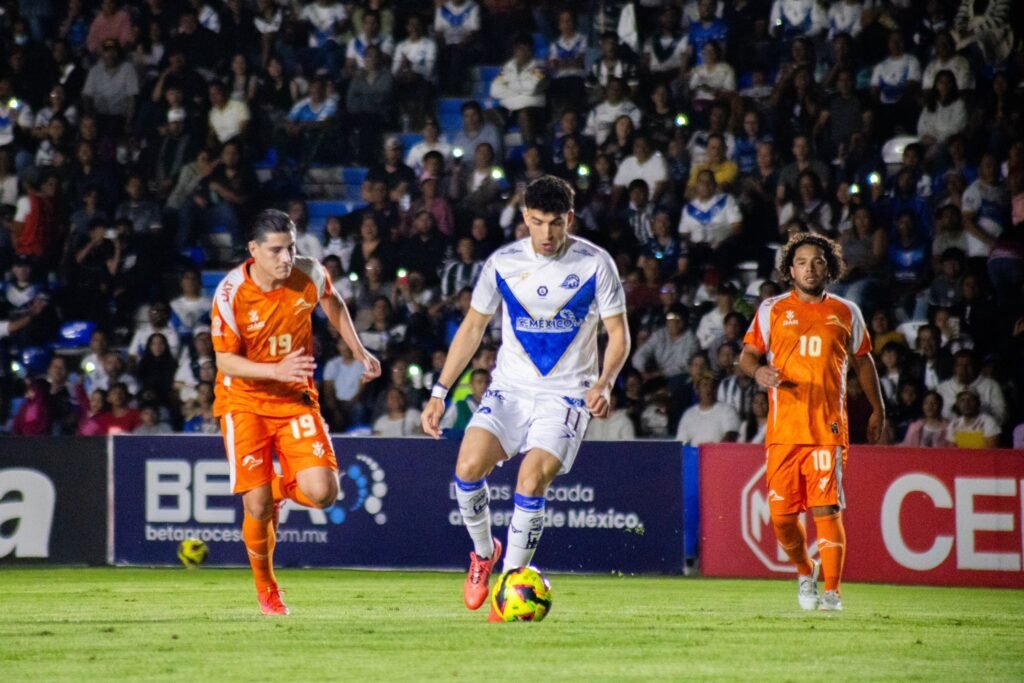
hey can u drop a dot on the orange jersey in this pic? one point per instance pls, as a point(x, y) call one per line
point(810, 346)
point(265, 327)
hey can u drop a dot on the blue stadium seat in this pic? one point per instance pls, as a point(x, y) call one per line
point(540, 46)
point(75, 334)
point(410, 139)
point(325, 208)
point(210, 280)
point(354, 175)
point(450, 105)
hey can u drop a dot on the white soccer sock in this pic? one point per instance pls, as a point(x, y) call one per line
point(524, 531)
point(474, 504)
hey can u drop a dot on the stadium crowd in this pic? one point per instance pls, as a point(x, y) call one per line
point(138, 138)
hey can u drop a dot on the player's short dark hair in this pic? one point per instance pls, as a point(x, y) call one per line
point(831, 249)
point(549, 195)
point(270, 221)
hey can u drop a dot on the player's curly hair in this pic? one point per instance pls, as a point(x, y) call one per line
point(269, 221)
point(549, 194)
point(835, 266)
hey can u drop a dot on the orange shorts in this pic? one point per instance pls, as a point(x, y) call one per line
point(300, 441)
point(802, 477)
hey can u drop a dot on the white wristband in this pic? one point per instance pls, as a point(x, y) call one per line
point(439, 391)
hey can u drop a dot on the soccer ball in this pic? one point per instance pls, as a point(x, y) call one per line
point(192, 552)
point(522, 594)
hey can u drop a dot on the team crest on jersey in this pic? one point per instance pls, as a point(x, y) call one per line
point(318, 449)
point(542, 291)
point(571, 281)
point(790, 319)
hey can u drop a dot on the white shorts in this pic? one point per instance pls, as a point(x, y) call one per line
point(522, 422)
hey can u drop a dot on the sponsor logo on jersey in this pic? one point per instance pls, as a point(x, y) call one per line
point(256, 323)
point(302, 305)
point(790, 319)
point(318, 449)
point(251, 462)
point(542, 291)
point(217, 328)
point(495, 393)
point(836, 320)
point(565, 321)
point(484, 410)
point(574, 402)
point(775, 497)
point(823, 483)
point(571, 281)
point(225, 293)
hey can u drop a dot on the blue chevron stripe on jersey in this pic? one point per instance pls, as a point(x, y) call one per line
point(546, 340)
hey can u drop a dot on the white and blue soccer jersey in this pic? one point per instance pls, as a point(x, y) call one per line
point(551, 311)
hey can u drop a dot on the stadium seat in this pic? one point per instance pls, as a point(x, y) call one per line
point(74, 334)
point(410, 139)
point(32, 361)
point(210, 280)
point(540, 46)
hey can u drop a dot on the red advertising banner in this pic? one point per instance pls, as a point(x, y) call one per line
point(919, 516)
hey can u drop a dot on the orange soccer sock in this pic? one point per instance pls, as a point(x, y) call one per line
point(258, 543)
point(832, 547)
point(290, 490)
point(793, 540)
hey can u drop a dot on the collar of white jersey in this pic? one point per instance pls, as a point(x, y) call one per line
point(569, 239)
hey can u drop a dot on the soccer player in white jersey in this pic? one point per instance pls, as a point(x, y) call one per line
point(555, 287)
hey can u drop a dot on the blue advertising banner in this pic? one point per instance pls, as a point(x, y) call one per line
point(620, 509)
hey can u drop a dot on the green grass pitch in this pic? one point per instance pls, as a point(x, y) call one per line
point(178, 625)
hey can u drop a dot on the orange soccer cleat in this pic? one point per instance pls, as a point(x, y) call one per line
point(477, 579)
point(271, 603)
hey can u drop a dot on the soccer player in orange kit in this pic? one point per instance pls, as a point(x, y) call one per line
point(809, 338)
point(265, 396)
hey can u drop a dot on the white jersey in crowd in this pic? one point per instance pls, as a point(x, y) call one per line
point(552, 306)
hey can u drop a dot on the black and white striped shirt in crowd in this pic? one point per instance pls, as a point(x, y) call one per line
point(457, 275)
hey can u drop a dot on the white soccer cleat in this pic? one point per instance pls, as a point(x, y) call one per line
point(807, 591)
point(830, 602)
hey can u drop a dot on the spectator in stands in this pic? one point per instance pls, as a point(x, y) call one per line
point(566, 64)
point(305, 243)
point(197, 354)
point(199, 418)
point(475, 131)
point(519, 89)
point(895, 83)
point(945, 113)
point(370, 101)
point(34, 417)
point(111, 24)
point(665, 53)
point(157, 368)
point(611, 67)
point(424, 250)
point(709, 421)
point(221, 198)
point(931, 429)
point(370, 36)
point(143, 213)
point(192, 306)
point(808, 206)
point(802, 161)
point(618, 426)
point(712, 323)
point(985, 209)
point(123, 418)
point(305, 131)
point(645, 164)
point(711, 79)
point(399, 419)
point(754, 428)
point(150, 423)
point(343, 388)
point(477, 188)
point(969, 427)
point(603, 116)
point(414, 68)
point(432, 141)
point(436, 204)
point(326, 21)
point(228, 119)
point(985, 389)
point(458, 414)
point(662, 360)
point(723, 170)
point(709, 221)
point(159, 323)
point(457, 27)
point(110, 89)
point(399, 178)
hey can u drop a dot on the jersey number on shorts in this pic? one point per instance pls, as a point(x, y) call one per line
point(304, 426)
point(569, 413)
point(810, 346)
point(280, 345)
point(822, 458)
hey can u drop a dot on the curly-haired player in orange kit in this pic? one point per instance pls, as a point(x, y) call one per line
point(265, 397)
point(809, 338)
